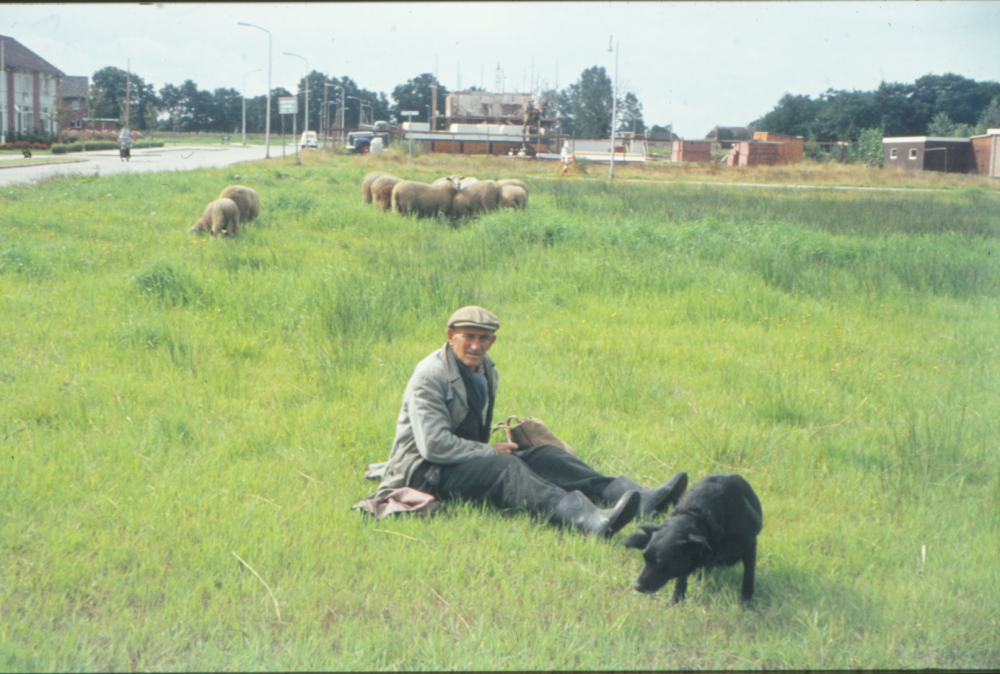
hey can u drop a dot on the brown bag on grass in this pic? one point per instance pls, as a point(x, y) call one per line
point(530, 432)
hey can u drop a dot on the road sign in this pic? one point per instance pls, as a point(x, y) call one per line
point(288, 105)
point(408, 113)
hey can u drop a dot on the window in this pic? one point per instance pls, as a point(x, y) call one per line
point(77, 124)
point(76, 107)
point(913, 153)
point(892, 152)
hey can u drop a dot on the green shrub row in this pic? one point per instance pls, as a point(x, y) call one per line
point(98, 145)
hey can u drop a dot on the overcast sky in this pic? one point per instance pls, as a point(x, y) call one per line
point(693, 64)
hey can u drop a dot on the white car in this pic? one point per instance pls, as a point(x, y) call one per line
point(309, 139)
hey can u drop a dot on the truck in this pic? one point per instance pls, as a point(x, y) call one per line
point(361, 141)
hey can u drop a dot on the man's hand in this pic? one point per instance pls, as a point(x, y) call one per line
point(505, 447)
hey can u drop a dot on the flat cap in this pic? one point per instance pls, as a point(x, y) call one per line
point(474, 317)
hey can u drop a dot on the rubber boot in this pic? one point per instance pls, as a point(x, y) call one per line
point(575, 509)
point(652, 501)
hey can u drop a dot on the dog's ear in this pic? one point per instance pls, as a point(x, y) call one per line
point(700, 545)
point(637, 541)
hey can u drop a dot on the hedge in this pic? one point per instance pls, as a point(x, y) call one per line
point(98, 145)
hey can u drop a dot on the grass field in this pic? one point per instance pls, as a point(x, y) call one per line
point(184, 422)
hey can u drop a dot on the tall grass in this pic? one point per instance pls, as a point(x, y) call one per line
point(184, 422)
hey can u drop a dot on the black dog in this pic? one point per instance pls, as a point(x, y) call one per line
point(715, 524)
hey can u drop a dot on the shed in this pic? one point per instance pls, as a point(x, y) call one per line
point(986, 153)
point(929, 153)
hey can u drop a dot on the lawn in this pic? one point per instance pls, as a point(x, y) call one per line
point(184, 422)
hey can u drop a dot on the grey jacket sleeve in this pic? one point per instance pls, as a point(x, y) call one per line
point(431, 424)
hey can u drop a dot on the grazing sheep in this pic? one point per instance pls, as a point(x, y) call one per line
point(447, 179)
point(246, 199)
point(220, 216)
point(383, 196)
point(410, 197)
point(512, 196)
point(514, 181)
point(366, 185)
point(475, 197)
point(378, 186)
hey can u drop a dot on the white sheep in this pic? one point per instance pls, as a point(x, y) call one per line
point(410, 197)
point(246, 199)
point(221, 216)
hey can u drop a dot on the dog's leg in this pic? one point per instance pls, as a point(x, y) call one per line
point(679, 589)
point(749, 566)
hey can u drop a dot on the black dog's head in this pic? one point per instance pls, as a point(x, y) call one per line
point(673, 550)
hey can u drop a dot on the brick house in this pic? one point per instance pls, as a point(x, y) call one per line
point(74, 97)
point(29, 91)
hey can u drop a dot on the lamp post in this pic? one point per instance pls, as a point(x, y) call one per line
point(614, 101)
point(326, 118)
point(326, 86)
point(306, 85)
point(267, 124)
point(245, 104)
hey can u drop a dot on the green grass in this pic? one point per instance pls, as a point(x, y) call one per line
point(171, 405)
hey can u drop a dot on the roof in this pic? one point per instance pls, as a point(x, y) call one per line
point(924, 139)
point(16, 55)
point(75, 87)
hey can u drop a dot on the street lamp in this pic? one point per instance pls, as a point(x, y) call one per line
point(267, 127)
point(245, 104)
point(614, 102)
point(326, 124)
point(306, 85)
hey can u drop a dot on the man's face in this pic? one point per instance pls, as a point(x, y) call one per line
point(470, 344)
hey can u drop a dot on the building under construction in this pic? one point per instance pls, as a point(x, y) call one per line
point(479, 122)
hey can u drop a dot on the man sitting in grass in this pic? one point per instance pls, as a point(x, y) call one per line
point(442, 445)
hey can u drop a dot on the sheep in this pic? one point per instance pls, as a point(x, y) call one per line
point(246, 199)
point(422, 199)
point(512, 196)
point(475, 196)
point(447, 179)
point(514, 181)
point(220, 216)
point(378, 186)
point(383, 196)
point(366, 185)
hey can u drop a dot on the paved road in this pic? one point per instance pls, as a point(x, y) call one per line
point(105, 162)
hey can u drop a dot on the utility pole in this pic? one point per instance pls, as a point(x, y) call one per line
point(128, 90)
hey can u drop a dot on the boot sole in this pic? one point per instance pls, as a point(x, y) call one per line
point(626, 515)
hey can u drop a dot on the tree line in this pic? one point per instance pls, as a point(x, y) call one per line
point(583, 108)
point(934, 105)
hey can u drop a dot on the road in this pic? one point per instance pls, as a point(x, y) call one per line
point(106, 162)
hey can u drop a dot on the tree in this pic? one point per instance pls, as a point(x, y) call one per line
point(868, 148)
point(585, 106)
point(792, 116)
point(941, 125)
point(170, 101)
point(107, 96)
point(630, 115)
point(990, 119)
point(415, 94)
point(226, 111)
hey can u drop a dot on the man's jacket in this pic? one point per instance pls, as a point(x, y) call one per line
point(434, 405)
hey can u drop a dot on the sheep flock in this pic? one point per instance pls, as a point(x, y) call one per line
point(454, 197)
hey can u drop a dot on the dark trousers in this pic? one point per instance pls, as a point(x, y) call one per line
point(533, 480)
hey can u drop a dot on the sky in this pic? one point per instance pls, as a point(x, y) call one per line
point(694, 65)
